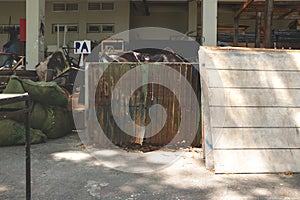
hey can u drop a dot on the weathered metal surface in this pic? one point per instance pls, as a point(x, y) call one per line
point(106, 76)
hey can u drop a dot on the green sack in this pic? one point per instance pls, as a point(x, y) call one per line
point(55, 122)
point(61, 124)
point(13, 133)
point(39, 117)
point(47, 93)
point(14, 86)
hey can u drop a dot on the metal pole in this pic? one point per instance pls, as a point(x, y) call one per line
point(27, 147)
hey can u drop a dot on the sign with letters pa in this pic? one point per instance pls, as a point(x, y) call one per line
point(82, 47)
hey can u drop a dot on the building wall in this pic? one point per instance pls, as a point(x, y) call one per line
point(16, 10)
point(165, 16)
point(119, 17)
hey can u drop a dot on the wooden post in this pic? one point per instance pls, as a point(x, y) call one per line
point(236, 21)
point(257, 30)
point(236, 32)
point(268, 23)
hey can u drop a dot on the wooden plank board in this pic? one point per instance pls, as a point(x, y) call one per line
point(252, 79)
point(252, 109)
point(207, 134)
point(255, 117)
point(259, 160)
point(248, 59)
point(254, 97)
point(243, 138)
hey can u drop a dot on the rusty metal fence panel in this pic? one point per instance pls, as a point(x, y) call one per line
point(105, 76)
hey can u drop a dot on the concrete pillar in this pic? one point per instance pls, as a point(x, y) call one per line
point(209, 22)
point(193, 9)
point(35, 23)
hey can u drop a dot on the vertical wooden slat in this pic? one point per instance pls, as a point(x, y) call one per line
point(177, 110)
point(165, 133)
point(170, 121)
point(127, 68)
point(91, 91)
point(117, 133)
point(172, 105)
point(236, 32)
point(141, 100)
point(257, 30)
point(268, 23)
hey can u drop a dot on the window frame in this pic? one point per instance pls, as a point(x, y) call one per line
point(100, 27)
point(65, 6)
point(62, 28)
point(100, 5)
point(4, 28)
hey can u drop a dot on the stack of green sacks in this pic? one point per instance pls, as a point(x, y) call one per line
point(49, 114)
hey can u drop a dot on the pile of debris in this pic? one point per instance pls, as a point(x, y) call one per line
point(50, 116)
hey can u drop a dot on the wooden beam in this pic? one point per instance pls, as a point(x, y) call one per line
point(275, 10)
point(268, 23)
point(253, 17)
point(245, 6)
point(287, 13)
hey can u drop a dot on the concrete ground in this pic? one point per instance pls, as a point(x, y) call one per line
point(63, 169)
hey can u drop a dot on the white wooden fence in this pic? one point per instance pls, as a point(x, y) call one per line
point(251, 105)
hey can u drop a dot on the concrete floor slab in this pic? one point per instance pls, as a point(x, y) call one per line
point(63, 169)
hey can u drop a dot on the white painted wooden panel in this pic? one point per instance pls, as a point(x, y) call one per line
point(254, 97)
point(253, 100)
point(252, 79)
point(243, 138)
point(255, 117)
point(259, 160)
point(230, 58)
